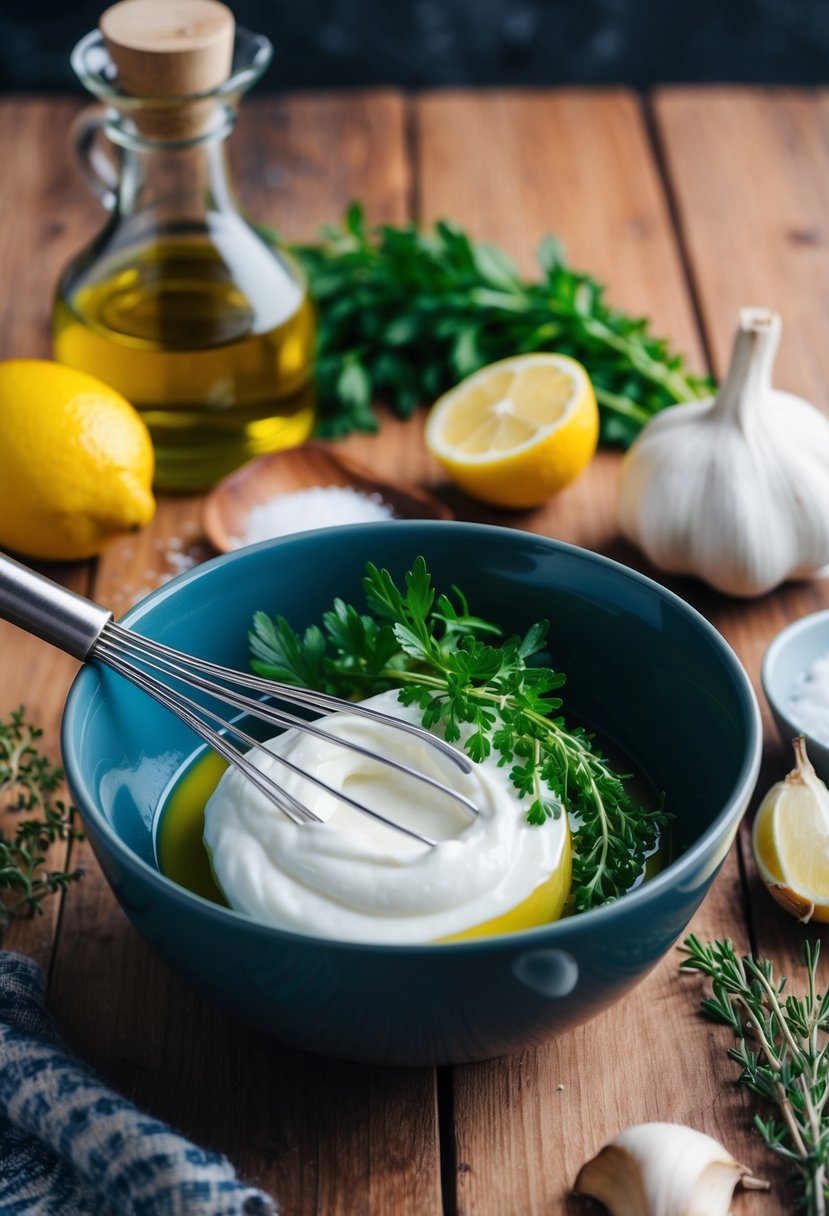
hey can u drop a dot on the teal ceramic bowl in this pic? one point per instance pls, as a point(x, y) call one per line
point(643, 668)
point(789, 656)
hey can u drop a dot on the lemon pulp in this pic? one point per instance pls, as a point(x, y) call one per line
point(517, 431)
point(790, 842)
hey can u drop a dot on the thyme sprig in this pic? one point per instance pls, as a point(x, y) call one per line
point(405, 314)
point(488, 691)
point(28, 782)
point(782, 1045)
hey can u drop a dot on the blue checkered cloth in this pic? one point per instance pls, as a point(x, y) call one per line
point(71, 1146)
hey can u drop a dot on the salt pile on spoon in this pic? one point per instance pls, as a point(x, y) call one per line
point(316, 507)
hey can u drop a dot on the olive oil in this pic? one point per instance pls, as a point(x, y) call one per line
point(197, 318)
point(179, 846)
point(218, 360)
point(183, 857)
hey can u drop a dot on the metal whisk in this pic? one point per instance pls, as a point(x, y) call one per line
point(88, 632)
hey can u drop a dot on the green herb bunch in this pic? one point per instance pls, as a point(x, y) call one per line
point(782, 1045)
point(28, 782)
point(404, 315)
point(480, 688)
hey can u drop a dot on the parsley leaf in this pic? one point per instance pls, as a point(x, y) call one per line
point(404, 314)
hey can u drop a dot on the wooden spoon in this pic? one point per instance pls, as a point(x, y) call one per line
point(229, 503)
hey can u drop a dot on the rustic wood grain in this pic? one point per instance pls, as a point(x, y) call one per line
point(311, 156)
point(750, 176)
point(511, 166)
point(580, 165)
point(336, 1138)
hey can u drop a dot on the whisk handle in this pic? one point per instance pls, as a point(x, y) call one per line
point(49, 611)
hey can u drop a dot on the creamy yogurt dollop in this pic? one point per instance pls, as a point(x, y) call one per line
point(350, 877)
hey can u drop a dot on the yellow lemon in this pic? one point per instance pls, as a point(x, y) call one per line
point(790, 840)
point(517, 431)
point(76, 461)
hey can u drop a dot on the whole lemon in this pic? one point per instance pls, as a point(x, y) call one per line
point(76, 461)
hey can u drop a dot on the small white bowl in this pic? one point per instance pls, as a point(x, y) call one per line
point(793, 652)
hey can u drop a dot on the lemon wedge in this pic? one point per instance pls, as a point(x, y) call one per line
point(76, 462)
point(790, 841)
point(518, 431)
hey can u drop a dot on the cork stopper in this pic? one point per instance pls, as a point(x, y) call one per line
point(170, 49)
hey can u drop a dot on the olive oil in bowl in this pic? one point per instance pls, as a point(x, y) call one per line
point(182, 855)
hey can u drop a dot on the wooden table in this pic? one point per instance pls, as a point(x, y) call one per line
point(689, 205)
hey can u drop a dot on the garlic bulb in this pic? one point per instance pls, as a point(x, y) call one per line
point(734, 489)
point(664, 1169)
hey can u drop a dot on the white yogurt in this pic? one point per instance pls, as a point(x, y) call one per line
point(351, 878)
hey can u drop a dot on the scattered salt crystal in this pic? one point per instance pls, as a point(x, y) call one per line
point(809, 700)
point(317, 507)
point(178, 562)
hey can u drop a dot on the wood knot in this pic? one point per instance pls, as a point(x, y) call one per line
point(805, 236)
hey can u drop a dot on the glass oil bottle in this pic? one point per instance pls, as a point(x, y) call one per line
point(199, 320)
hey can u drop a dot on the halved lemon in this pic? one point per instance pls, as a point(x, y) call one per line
point(518, 431)
point(790, 841)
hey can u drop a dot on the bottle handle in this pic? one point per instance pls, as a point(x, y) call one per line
point(98, 171)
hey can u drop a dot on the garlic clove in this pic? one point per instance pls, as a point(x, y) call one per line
point(664, 1169)
point(790, 840)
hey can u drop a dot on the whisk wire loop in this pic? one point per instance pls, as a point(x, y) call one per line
point(87, 631)
point(189, 713)
point(130, 654)
point(183, 665)
point(178, 705)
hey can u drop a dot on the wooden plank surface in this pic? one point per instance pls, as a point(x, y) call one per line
point(509, 1134)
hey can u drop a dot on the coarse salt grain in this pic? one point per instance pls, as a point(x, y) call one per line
point(809, 700)
point(317, 507)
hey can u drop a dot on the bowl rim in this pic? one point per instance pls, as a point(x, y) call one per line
point(639, 898)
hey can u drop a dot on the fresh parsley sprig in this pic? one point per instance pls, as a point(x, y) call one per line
point(28, 782)
point(491, 692)
point(405, 314)
point(783, 1052)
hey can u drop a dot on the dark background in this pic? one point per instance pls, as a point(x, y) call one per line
point(418, 43)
